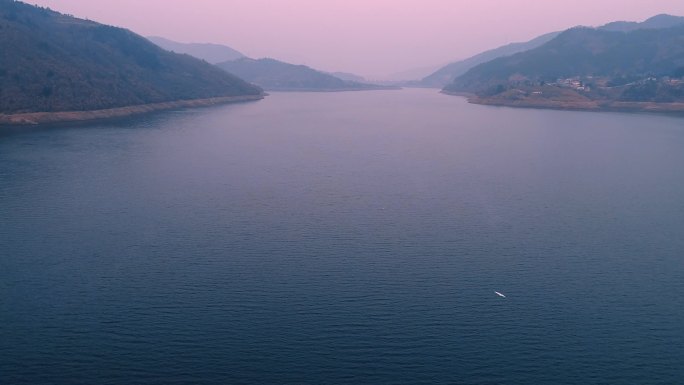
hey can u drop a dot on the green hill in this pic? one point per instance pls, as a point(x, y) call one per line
point(275, 75)
point(52, 62)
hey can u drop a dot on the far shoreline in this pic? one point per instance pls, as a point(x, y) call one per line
point(675, 108)
point(332, 90)
point(32, 119)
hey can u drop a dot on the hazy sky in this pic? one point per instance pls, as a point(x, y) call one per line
point(373, 38)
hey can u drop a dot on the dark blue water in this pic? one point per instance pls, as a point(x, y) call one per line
point(345, 238)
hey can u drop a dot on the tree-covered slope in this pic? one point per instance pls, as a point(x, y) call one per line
point(53, 62)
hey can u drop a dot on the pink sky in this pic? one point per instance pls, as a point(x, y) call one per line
point(373, 38)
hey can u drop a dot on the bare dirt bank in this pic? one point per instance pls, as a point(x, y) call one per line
point(35, 118)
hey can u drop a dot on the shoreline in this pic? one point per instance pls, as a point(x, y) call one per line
point(39, 118)
point(588, 105)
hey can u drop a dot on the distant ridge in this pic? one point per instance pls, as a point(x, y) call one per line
point(275, 75)
point(348, 76)
point(271, 74)
point(61, 63)
point(212, 53)
point(656, 22)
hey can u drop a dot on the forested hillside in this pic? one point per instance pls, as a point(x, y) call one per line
point(53, 62)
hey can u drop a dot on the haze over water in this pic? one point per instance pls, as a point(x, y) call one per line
point(374, 38)
point(345, 238)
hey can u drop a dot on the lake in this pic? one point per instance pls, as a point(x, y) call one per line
point(344, 238)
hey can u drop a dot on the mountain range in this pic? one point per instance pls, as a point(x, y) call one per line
point(268, 73)
point(59, 63)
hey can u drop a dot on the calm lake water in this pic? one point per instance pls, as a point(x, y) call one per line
point(345, 238)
